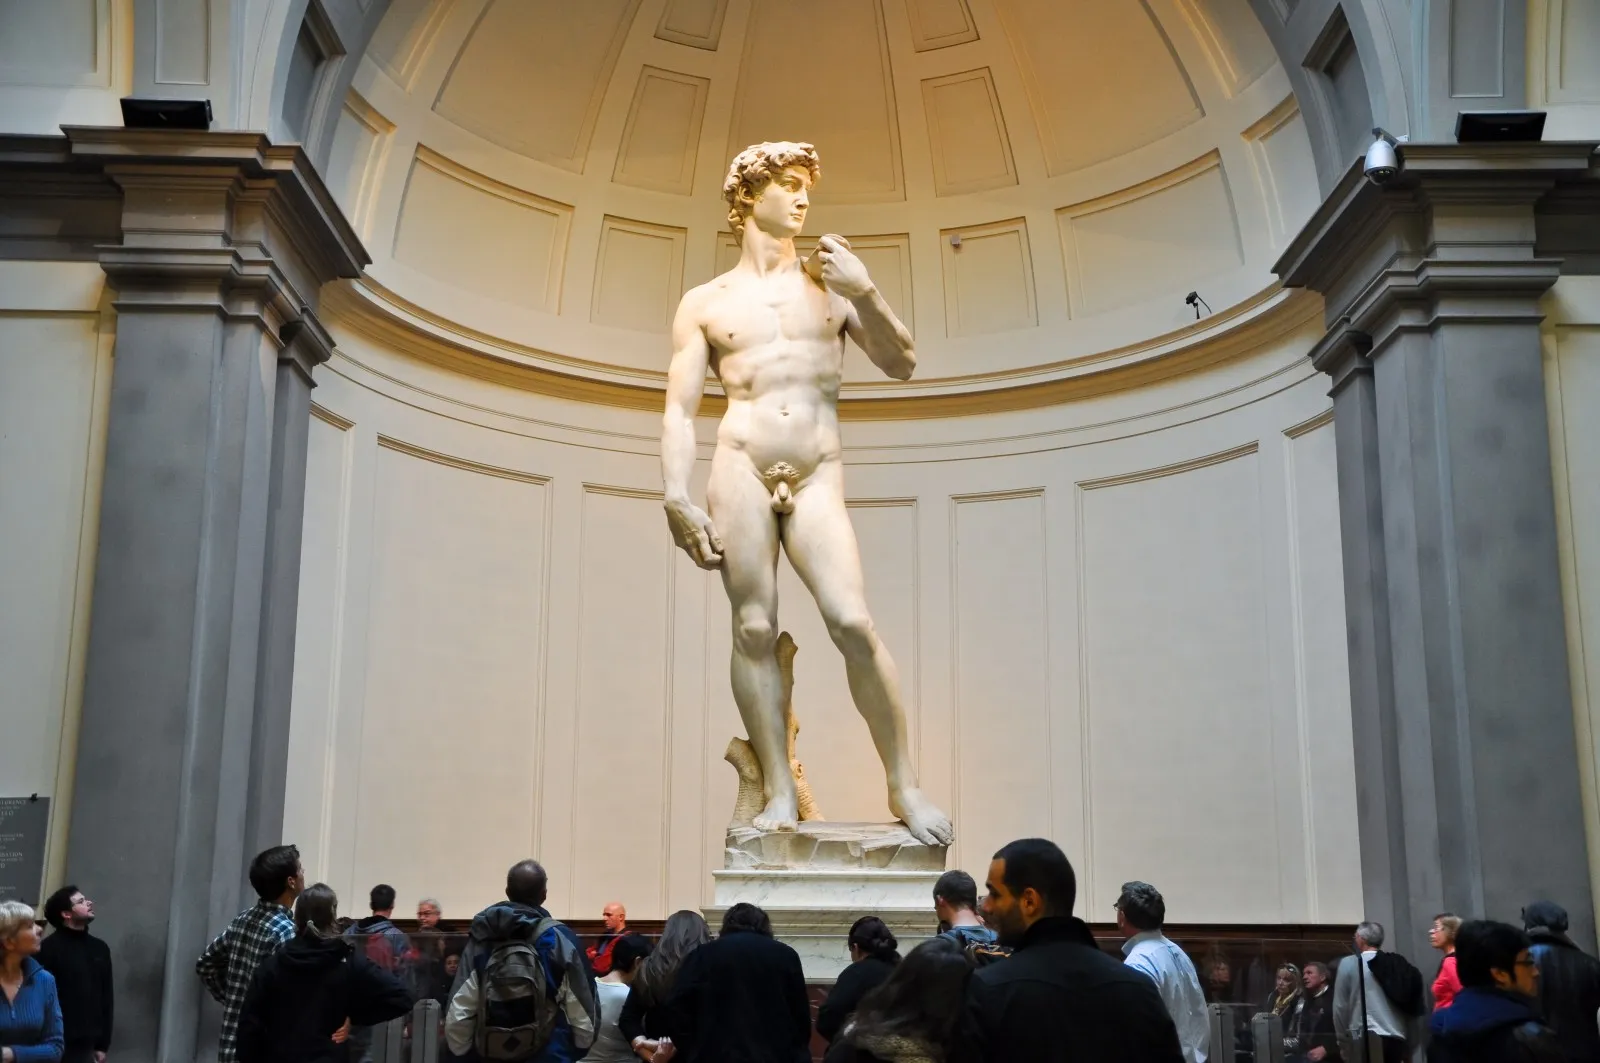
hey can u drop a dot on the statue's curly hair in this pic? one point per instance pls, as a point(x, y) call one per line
point(753, 167)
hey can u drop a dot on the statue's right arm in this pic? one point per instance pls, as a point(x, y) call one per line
point(686, 383)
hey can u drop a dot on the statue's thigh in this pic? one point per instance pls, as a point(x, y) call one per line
point(741, 509)
point(821, 544)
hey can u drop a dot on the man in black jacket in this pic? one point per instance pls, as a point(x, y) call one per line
point(1057, 998)
point(1494, 1018)
point(81, 965)
point(741, 997)
point(1569, 981)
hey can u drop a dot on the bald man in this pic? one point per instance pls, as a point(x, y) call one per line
point(615, 917)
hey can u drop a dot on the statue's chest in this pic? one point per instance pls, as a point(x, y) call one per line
point(756, 314)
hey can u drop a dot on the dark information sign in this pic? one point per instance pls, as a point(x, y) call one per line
point(24, 826)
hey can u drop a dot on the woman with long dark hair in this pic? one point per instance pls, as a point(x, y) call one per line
point(912, 1017)
point(302, 994)
point(643, 1021)
point(873, 956)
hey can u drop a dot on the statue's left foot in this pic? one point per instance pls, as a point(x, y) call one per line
point(925, 822)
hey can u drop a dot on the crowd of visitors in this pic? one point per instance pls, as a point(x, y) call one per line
point(1015, 976)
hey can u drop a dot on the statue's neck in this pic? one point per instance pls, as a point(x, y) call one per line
point(762, 253)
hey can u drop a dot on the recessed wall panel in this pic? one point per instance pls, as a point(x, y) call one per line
point(638, 274)
point(475, 233)
point(624, 694)
point(1322, 678)
point(51, 43)
point(1167, 235)
point(1179, 753)
point(319, 642)
point(835, 746)
point(452, 674)
point(1281, 150)
point(940, 23)
point(696, 23)
point(662, 134)
point(183, 42)
point(1000, 651)
point(988, 279)
point(563, 53)
point(1092, 102)
point(967, 133)
point(861, 155)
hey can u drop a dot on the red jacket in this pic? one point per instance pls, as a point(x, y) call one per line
point(600, 955)
point(1447, 985)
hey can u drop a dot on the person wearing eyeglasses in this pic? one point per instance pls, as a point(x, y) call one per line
point(1495, 1016)
point(30, 1012)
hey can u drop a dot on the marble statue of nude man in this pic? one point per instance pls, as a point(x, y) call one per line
point(773, 329)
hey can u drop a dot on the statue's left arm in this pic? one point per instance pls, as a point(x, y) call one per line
point(870, 321)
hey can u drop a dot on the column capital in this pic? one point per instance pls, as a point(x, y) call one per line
point(1453, 236)
point(221, 222)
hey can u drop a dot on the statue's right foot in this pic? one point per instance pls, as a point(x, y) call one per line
point(782, 813)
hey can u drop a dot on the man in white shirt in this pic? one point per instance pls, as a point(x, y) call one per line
point(1383, 1018)
point(1140, 914)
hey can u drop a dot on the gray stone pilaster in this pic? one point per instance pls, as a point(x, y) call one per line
point(226, 241)
point(1468, 792)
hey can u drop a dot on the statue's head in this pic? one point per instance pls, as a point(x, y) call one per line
point(769, 182)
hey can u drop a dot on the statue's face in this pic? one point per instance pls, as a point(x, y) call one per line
point(780, 207)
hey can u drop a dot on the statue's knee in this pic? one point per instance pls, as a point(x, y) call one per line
point(854, 635)
point(755, 636)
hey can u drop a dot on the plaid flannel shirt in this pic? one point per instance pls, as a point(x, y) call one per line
point(230, 961)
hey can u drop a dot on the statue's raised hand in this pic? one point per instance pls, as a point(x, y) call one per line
point(693, 531)
point(842, 272)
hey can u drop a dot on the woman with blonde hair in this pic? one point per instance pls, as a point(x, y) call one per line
point(30, 1024)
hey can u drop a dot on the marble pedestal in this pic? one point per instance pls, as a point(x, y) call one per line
point(816, 881)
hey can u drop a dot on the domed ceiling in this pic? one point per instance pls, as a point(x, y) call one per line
point(1035, 184)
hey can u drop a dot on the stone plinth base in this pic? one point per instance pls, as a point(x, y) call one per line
point(816, 881)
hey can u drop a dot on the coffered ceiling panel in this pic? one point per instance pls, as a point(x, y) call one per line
point(1037, 184)
point(533, 72)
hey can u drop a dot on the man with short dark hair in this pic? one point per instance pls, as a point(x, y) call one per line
point(955, 902)
point(81, 966)
point(1058, 998)
point(230, 961)
point(1141, 913)
point(521, 920)
point(385, 946)
point(1494, 1019)
point(1569, 981)
point(1352, 994)
point(742, 997)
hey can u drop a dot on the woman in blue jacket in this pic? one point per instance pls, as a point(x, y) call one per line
point(30, 1014)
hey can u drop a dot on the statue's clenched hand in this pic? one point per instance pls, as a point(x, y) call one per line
point(693, 531)
point(842, 272)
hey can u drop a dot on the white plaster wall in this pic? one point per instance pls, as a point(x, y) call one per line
point(1119, 623)
point(66, 62)
point(1563, 78)
point(1572, 391)
point(55, 375)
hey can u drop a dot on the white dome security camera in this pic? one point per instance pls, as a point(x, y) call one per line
point(1384, 158)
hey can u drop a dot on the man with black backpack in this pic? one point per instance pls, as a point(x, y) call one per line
point(1381, 1000)
point(524, 992)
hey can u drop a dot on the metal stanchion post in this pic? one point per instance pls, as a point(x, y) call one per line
point(1267, 1031)
point(1219, 1017)
point(425, 1019)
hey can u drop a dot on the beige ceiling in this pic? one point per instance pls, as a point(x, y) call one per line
point(1034, 183)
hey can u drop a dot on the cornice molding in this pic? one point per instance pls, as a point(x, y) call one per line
point(365, 308)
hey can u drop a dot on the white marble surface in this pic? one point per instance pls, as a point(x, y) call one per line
point(864, 892)
point(822, 845)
